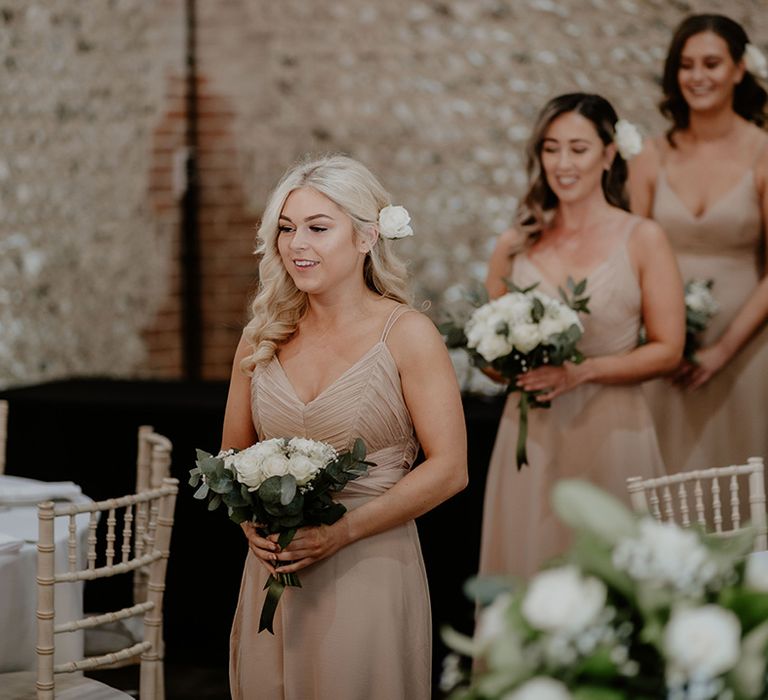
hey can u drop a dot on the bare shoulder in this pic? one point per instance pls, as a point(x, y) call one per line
point(509, 241)
point(648, 241)
point(761, 157)
point(646, 164)
point(414, 339)
point(647, 232)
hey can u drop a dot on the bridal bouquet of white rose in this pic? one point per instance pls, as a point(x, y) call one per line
point(700, 307)
point(520, 331)
point(280, 485)
point(636, 610)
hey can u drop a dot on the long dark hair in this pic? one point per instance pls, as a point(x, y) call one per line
point(538, 204)
point(749, 97)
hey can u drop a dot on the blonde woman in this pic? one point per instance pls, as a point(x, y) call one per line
point(334, 352)
point(706, 183)
point(573, 222)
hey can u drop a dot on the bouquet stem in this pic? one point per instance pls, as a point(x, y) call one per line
point(522, 431)
point(275, 586)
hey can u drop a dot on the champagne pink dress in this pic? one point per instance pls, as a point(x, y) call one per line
point(601, 433)
point(724, 422)
point(359, 628)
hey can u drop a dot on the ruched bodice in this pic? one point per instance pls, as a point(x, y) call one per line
point(613, 323)
point(723, 244)
point(602, 433)
point(366, 402)
point(368, 603)
point(723, 421)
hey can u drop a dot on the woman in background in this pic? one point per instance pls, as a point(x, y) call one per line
point(329, 355)
point(573, 222)
point(706, 184)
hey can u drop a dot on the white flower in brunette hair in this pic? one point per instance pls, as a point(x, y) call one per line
point(755, 61)
point(394, 222)
point(627, 139)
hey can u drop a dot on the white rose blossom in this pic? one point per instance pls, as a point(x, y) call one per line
point(627, 138)
point(540, 688)
point(394, 222)
point(756, 572)
point(699, 298)
point(562, 600)
point(755, 61)
point(303, 469)
point(665, 554)
point(701, 643)
point(492, 621)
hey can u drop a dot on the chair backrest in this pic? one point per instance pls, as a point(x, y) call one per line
point(3, 433)
point(153, 460)
point(697, 497)
point(136, 550)
point(153, 465)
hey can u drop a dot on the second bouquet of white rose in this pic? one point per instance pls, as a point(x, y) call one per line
point(280, 485)
point(520, 331)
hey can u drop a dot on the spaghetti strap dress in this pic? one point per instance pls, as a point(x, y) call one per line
point(601, 433)
point(360, 626)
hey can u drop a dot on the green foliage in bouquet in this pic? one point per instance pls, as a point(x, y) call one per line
point(520, 331)
point(280, 504)
point(635, 610)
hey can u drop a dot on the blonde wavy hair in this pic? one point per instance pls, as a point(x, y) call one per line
point(279, 305)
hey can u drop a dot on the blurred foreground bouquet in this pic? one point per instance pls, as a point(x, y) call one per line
point(636, 610)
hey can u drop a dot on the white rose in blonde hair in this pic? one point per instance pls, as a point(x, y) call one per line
point(394, 222)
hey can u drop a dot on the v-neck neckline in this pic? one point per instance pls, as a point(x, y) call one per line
point(330, 386)
point(714, 205)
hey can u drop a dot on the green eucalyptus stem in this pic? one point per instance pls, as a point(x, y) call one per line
point(275, 586)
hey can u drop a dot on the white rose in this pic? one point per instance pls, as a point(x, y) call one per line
point(275, 465)
point(304, 469)
point(698, 297)
point(393, 222)
point(247, 466)
point(540, 688)
point(320, 452)
point(702, 642)
point(627, 139)
point(755, 61)
point(666, 554)
point(514, 307)
point(756, 573)
point(562, 600)
point(550, 327)
point(492, 621)
point(493, 346)
point(525, 336)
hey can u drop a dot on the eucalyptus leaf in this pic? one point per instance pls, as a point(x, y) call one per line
point(287, 489)
point(587, 508)
point(215, 502)
point(202, 492)
point(485, 589)
point(749, 675)
point(270, 490)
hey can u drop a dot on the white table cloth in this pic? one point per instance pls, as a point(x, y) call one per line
point(18, 568)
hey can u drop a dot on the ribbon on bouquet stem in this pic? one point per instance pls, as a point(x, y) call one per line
point(522, 431)
point(275, 586)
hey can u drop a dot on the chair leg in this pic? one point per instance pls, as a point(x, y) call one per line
point(160, 680)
